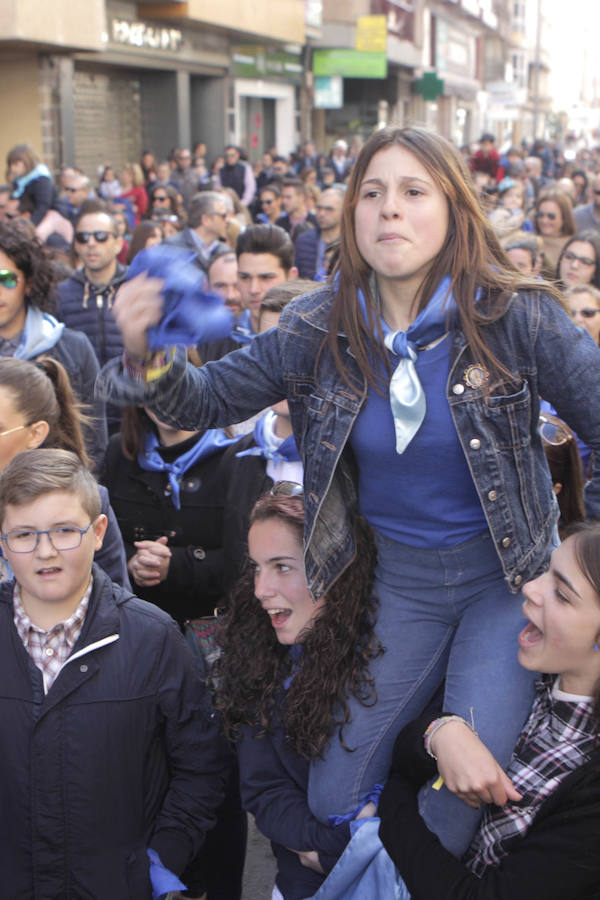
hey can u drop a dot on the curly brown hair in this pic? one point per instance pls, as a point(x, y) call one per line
point(336, 650)
point(29, 257)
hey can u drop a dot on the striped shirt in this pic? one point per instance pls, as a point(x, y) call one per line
point(558, 738)
point(50, 649)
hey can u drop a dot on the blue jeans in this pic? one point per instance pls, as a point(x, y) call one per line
point(442, 614)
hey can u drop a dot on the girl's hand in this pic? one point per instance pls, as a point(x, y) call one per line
point(138, 306)
point(150, 565)
point(468, 768)
point(310, 859)
point(368, 811)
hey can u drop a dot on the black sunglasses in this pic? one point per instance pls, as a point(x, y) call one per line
point(287, 489)
point(82, 237)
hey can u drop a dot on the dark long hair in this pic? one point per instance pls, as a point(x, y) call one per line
point(471, 256)
point(29, 257)
point(587, 553)
point(336, 650)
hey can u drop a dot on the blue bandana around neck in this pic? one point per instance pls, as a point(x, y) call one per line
point(242, 330)
point(267, 447)
point(407, 397)
point(150, 459)
point(20, 183)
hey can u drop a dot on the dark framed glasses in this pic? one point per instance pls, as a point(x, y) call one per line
point(101, 237)
point(287, 489)
point(553, 430)
point(587, 312)
point(25, 540)
point(571, 257)
point(9, 279)
point(546, 215)
point(160, 197)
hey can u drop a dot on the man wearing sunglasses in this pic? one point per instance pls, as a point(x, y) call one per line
point(587, 217)
point(85, 299)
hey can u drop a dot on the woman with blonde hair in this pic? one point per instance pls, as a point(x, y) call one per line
point(132, 183)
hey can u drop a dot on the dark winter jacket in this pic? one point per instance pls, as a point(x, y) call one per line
point(145, 511)
point(40, 191)
point(120, 755)
point(83, 307)
point(306, 250)
point(274, 786)
point(246, 480)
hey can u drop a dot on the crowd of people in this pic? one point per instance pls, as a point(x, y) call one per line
point(352, 482)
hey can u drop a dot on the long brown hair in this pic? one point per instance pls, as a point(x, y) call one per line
point(471, 256)
point(336, 649)
point(41, 391)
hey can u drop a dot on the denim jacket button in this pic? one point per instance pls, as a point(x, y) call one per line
point(506, 542)
point(474, 443)
point(458, 389)
point(517, 580)
point(493, 495)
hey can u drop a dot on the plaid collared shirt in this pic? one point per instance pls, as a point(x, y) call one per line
point(49, 649)
point(558, 737)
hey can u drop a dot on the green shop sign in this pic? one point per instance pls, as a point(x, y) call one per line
point(265, 62)
point(350, 63)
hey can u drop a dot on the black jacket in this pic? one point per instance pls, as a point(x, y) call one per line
point(144, 510)
point(83, 307)
point(121, 754)
point(557, 859)
point(306, 251)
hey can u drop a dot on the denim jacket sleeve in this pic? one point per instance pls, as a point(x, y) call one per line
point(568, 369)
point(220, 393)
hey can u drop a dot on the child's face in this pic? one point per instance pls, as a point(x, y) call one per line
point(564, 623)
point(46, 575)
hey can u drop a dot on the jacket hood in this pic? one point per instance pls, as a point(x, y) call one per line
point(42, 332)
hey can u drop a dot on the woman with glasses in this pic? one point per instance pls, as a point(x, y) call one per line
point(413, 380)
point(164, 200)
point(583, 301)
point(270, 204)
point(38, 409)
point(579, 261)
point(289, 668)
point(553, 220)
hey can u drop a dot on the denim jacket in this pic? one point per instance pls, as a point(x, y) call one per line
point(497, 424)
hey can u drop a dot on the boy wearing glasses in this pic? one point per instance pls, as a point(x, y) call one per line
point(85, 299)
point(112, 763)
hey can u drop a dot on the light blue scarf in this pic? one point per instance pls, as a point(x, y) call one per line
point(20, 183)
point(407, 397)
point(285, 451)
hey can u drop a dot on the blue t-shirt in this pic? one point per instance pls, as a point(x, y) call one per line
point(424, 497)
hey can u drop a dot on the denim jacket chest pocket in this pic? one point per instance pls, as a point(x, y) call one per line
point(508, 417)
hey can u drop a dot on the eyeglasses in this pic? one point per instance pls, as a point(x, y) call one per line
point(553, 431)
point(25, 540)
point(101, 237)
point(12, 430)
point(584, 260)
point(543, 215)
point(160, 197)
point(287, 489)
point(587, 312)
point(9, 279)
point(266, 202)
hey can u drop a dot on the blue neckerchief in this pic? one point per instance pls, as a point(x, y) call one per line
point(162, 880)
point(20, 183)
point(242, 330)
point(151, 461)
point(372, 797)
point(285, 451)
point(190, 315)
point(407, 397)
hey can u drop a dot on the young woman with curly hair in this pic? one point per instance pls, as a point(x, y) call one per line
point(288, 668)
point(413, 379)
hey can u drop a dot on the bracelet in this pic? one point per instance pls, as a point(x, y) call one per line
point(436, 725)
point(151, 367)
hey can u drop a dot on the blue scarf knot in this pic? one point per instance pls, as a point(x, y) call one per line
point(268, 446)
point(207, 445)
